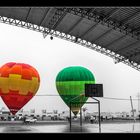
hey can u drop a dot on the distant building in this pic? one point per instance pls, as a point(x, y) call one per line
point(44, 111)
point(26, 113)
point(32, 112)
point(4, 115)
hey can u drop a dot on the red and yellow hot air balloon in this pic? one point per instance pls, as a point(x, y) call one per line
point(19, 82)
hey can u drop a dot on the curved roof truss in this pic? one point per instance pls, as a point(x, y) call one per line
point(99, 29)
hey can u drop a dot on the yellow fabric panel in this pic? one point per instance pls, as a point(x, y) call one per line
point(4, 85)
point(24, 86)
point(14, 82)
point(29, 86)
point(74, 109)
point(34, 85)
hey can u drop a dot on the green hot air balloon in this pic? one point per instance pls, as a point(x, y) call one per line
point(70, 84)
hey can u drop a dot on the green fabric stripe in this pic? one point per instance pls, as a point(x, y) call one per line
point(76, 73)
point(72, 87)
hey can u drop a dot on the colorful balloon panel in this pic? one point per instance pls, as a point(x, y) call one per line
point(70, 84)
point(19, 82)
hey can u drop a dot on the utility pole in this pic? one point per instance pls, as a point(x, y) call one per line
point(138, 102)
point(132, 107)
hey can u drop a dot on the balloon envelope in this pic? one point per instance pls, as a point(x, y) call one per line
point(70, 84)
point(18, 84)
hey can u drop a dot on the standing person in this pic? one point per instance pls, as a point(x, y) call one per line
point(24, 119)
point(101, 118)
point(91, 119)
point(112, 117)
point(68, 118)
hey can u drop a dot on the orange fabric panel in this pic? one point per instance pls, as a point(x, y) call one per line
point(4, 71)
point(16, 69)
point(26, 74)
point(35, 73)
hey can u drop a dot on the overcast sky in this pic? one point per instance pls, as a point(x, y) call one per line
point(50, 56)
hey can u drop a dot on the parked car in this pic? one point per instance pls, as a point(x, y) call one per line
point(61, 118)
point(30, 120)
point(93, 119)
point(12, 119)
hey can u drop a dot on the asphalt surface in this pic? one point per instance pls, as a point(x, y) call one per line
point(64, 127)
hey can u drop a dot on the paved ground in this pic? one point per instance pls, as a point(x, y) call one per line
point(63, 127)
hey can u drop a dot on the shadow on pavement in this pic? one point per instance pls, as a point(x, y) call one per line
point(18, 129)
point(75, 129)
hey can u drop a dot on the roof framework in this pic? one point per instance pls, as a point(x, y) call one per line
point(113, 31)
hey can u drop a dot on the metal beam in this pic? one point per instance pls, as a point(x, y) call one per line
point(57, 17)
point(46, 13)
point(28, 14)
point(58, 13)
point(113, 12)
point(92, 9)
point(116, 40)
point(137, 61)
point(59, 20)
point(128, 46)
point(89, 10)
point(130, 18)
point(134, 59)
point(89, 30)
point(74, 25)
point(101, 36)
point(136, 29)
point(133, 55)
point(103, 19)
